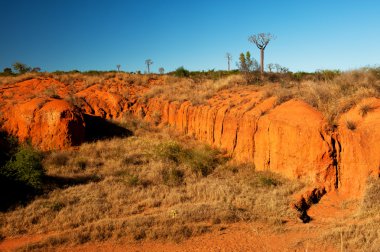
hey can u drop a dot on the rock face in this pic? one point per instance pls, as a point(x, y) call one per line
point(48, 124)
point(289, 138)
point(359, 138)
point(292, 139)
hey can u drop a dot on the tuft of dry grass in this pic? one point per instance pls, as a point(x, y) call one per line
point(350, 125)
point(365, 109)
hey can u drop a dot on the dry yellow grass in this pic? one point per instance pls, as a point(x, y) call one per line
point(117, 188)
point(186, 89)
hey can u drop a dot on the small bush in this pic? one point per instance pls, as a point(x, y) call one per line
point(364, 109)
point(202, 161)
point(25, 167)
point(181, 72)
point(170, 151)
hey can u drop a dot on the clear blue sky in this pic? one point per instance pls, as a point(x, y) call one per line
point(97, 34)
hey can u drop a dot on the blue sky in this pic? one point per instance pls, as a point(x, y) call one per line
point(196, 34)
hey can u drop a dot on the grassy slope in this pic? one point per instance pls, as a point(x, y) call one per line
point(147, 187)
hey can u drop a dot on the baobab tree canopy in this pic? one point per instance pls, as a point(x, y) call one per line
point(261, 40)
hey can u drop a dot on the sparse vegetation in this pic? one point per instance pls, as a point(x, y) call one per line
point(151, 172)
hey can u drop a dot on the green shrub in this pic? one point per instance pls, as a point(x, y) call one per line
point(170, 151)
point(25, 167)
point(181, 72)
point(202, 161)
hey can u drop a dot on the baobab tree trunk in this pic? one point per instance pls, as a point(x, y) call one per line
point(148, 69)
point(262, 60)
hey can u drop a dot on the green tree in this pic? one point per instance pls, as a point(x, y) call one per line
point(7, 71)
point(21, 68)
point(247, 63)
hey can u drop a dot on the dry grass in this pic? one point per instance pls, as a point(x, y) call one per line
point(362, 231)
point(148, 186)
point(18, 78)
point(186, 89)
point(332, 96)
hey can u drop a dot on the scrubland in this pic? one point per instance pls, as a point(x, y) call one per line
point(157, 185)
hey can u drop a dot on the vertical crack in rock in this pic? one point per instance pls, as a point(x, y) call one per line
point(222, 127)
point(335, 155)
point(269, 147)
point(213, 124)
point(185, 119)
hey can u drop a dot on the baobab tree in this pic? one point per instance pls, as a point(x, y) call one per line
point(148, 62)
point(229, 58)
point(118, 67)
point(261, 40)
point(161, 70)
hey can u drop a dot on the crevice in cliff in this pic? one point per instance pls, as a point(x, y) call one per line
point(222, 126)
point(335, 155)
point(213, 124)
point(185, 120)
point(268, 161)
